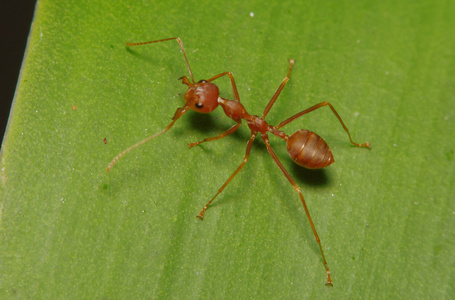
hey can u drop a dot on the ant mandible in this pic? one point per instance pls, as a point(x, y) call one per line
point(305, 147)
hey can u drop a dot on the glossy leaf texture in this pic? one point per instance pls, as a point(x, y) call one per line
point(385, 216)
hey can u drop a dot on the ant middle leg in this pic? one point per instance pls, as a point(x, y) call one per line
point(278, 91)
point(245, 160)
point(226, 133)
point(322, 104)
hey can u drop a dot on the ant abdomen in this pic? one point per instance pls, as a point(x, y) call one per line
point(309, 150)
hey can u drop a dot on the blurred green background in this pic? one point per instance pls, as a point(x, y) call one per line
point(385, 216)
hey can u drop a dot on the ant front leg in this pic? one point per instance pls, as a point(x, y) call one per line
point(322, 104)
point(231, 77)
point(226, 133)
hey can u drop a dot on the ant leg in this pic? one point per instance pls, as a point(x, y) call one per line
point(322, 104)
point(245, 159)
point(278, 91)
point(265, 138)
point(234, 87)
point(163, 40)
point(227, 132)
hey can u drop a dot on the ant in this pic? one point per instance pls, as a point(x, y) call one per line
point(305, 147)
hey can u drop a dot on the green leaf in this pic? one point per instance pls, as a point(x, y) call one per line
point(385, 216)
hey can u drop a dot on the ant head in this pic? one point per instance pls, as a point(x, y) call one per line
point(201, 96)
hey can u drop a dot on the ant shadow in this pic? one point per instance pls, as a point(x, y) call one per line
point(316, 177)
point(204, 123)
point(210, 125)
point(150, 59)
point(138, 55)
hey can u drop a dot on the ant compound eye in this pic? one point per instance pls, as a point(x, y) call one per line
point(202, 81)
point(199, 105)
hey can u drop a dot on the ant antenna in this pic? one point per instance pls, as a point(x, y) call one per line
point(163, 40)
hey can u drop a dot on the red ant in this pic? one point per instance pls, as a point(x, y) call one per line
point(305, 147)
